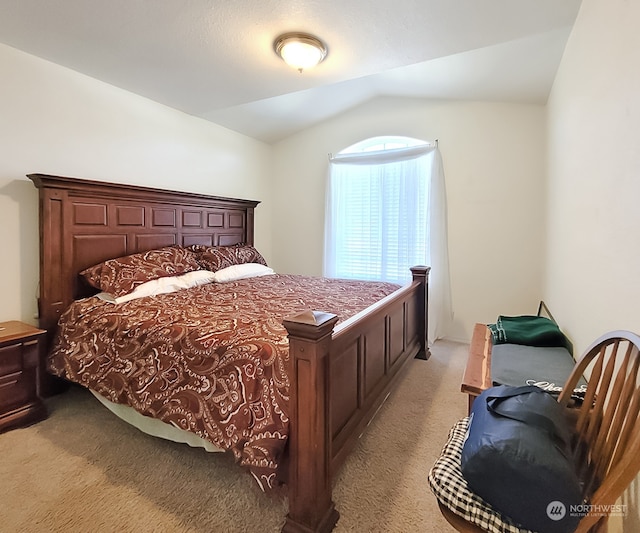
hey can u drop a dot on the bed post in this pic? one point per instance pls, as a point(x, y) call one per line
point(309, 483)
point(421, 274)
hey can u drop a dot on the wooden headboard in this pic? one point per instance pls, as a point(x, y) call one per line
point(84, 222)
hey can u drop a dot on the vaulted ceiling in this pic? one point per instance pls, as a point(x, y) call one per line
point(214, 59)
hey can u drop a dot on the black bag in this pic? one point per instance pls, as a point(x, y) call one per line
point(516, 457)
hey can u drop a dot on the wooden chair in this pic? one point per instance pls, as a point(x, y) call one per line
point(605, 427)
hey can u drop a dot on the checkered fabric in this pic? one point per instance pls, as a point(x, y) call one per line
point(448, 485)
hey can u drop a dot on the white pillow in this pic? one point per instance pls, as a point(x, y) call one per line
point(241, 271)
point(162, 286)
point(194, 278)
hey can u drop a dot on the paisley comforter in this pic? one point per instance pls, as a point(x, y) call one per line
point(211, 359)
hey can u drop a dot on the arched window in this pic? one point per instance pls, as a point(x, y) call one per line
point(383, 198)
point(375, 144)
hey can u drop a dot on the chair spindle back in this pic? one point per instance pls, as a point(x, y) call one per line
point(606, 440)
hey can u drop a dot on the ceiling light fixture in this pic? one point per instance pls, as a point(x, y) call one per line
point(300, 50)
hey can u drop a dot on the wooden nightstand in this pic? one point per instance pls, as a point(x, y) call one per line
point(20, 362)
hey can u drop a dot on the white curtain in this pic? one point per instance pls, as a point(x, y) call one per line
point(385, 212)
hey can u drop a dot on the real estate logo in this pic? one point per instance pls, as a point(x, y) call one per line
point(556, 510)
point(586, 509)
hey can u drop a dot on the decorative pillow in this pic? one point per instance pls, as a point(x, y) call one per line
point(162, 286)
point(242, 271)
point(214, 258)
point(122, 275)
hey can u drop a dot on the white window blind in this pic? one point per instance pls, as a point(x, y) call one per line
point(381, 220)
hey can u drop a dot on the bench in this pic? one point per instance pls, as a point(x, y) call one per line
point(515, 364)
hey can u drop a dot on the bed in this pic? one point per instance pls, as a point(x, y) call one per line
point(339, 370)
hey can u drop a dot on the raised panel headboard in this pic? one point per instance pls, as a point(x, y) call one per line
point(84, 222)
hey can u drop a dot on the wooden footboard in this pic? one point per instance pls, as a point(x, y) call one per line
point(339, 380)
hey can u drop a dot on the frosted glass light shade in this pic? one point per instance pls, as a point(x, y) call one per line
point(300, 50)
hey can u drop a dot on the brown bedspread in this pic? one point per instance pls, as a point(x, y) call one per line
point(211, 359)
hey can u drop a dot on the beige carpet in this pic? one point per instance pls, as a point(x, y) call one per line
point(83, 470)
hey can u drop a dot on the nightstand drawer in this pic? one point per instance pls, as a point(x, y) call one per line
point(11, 359)
point(16, 389)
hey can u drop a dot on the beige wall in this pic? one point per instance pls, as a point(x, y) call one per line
point(593, 259)
point(593, 267)
point(494, 162)
point(56, 121)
